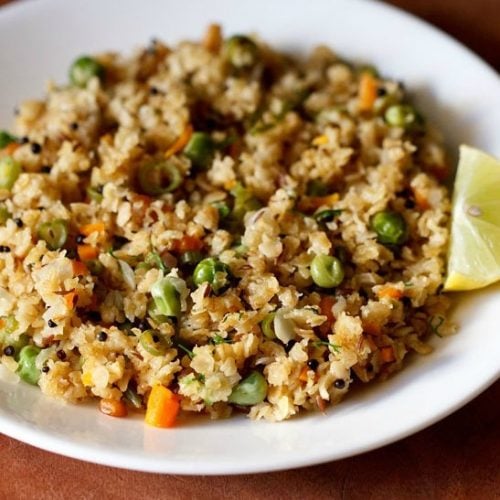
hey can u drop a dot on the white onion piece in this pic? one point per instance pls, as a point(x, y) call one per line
point(284, 328)
point(128, 274)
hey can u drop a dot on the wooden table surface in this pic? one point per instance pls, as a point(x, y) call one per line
point(456, 458)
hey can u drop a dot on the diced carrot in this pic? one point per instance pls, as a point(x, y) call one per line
point(387, 354)
point(421, 201)
point(87, 252)
point(79, 268)
point(2, 323)
point(187, 244)
point(312, 203)
point(213, 38)
point(9, 149)
point(162, 408)
point(70, 298)
point(113, 408)
point(390, 292)
point(325, 306)
point(228, 185)
point(95, 227)
point(181, 141)
point(303, 374)
point(367, 91)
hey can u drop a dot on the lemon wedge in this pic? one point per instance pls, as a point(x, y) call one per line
point(474, 252)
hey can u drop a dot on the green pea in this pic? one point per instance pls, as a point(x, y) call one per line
point(154, 342)
point(316, 188)
point(200, 149)
point(327, 215)
point(223, 209)
point(83, 70)
point(9, 172)
point(391, 228)
point(5, 215)
point(166, 298)
point(95, 193)
point(27, 369)
point(402, 115)
point(159, 177)
point(250, 391)
point(6, 139)
point(191, 258)
point(267, 326)
point(327, 271)
point(241, 51)
point(54, 233)
point(211, 271)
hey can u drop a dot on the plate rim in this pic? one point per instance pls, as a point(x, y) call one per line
point(59, 445)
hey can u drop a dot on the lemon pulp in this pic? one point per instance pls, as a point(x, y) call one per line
point(474, 252)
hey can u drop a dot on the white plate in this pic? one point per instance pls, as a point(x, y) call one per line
point(458, 91)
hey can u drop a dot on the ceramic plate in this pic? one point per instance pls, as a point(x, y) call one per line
point(453, 87)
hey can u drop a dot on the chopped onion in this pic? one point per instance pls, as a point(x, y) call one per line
point(128, 274)
point(284, 328)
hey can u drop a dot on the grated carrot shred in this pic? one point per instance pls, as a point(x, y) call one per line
point(79, 268)
point(367, 91)
point(311, 203)
point(387, 354)
point(71, 298)
point(212, 40)
point(320, 140)
point(390, 292)
point(95, 227)
point(181, 141)
point(87, 252)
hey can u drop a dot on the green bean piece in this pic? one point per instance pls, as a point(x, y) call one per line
point(83, 70)
point(54, 233)
point(267, 326)
point(327, 271)
point(5, 215)
point(250, 391)
point(132, 397)
point(402, 115)
point(244, 202)
point(159, 177)
point(10, 170)
point(241, 51)
point(27, 369)
point(166, 298)
point(154, 314)
point(200, 150)
point(6, 138)
point(154, 342)
point(95, 267)
point(191, 257)
point(223, 209)
point(95, 193)
point(391, 228)
point(316, 188)
point(327, 215)
point(153, 259)
point(213, 271)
